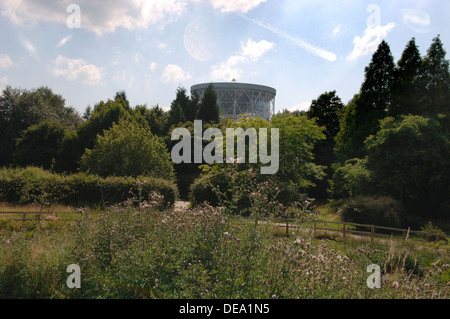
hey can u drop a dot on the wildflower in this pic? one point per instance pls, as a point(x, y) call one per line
point(395, 284)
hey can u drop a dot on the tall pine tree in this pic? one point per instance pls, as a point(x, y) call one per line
point(363, 113)
point(408, 89)
point(209, 110)
point(326, 110)
point(436, 79)
point(178, 108)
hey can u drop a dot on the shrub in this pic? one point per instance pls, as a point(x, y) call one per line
point(350, 179)
point(380, 211)
point(244, 191)
point(431, 229)
point(36, 186)
point(127, 149)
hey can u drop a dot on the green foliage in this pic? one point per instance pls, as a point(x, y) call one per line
point(39, 144)
point(244, 191)
point(431, 229)
point(436, 79)
point(128, 150)
point(101, 119)
point(366, 109)
point(380, 211)
point(20, 109)
point(408, 89)
point(350, 179)
point(409, 160)
point(130, 252)
point(327, 111)
point(208, 110)
point(298, 135)
point(156, 118)
point(36, 186)
point(179, 108)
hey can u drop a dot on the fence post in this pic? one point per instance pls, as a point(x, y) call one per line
point(343, 229)
point(24, 216)
point(373, 233)
point(287, 227)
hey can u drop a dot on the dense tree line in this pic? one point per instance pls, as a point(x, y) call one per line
point(391, 139)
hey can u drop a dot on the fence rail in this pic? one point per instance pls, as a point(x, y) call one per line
point(37, 215)
point(345, 230)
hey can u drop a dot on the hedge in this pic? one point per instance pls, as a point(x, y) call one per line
point(33, 185)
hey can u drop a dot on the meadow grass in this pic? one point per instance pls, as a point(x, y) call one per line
point(142, 252)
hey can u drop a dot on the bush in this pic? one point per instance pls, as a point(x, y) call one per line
point(128, 149)
point(380, 211)
point(431, 229)
point(244, 191)
point(36, 186)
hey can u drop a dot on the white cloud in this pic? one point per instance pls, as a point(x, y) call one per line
point(295, 40)
point(255, 50)
point(4, 79)
point(77, 70)
point(250, 51)
point(101, 17)
point(5, 61)
point(370, 41)
point(96, 15)
point(236, 5)
point(63, 41)
point(303, 106)
point(417, 21)
point(29, 47)
point(173, 74)
point(152, 66)
point(227, 70)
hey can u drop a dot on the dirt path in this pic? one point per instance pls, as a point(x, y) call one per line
point(181, 206)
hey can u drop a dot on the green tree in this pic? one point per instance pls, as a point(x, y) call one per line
point(409, 159)
point(350, 179)
point(436, 79)
point(192, 108)
point(345, 144)
point(39, 144)
point(370, 106)
point(298, 135)
point(179, 107)
point(104, 115)
point(327, 112)
point(327, 109)
point(408, 89)
point(209, 110)
point(156, 118)
point(19, 109)
point(127, 149)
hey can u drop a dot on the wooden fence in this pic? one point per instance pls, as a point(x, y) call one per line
point(345, 230)
point(37, 215)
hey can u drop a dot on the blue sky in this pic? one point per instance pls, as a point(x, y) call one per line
point(148, 48)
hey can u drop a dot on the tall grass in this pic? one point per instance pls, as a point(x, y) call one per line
point(143, 252)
